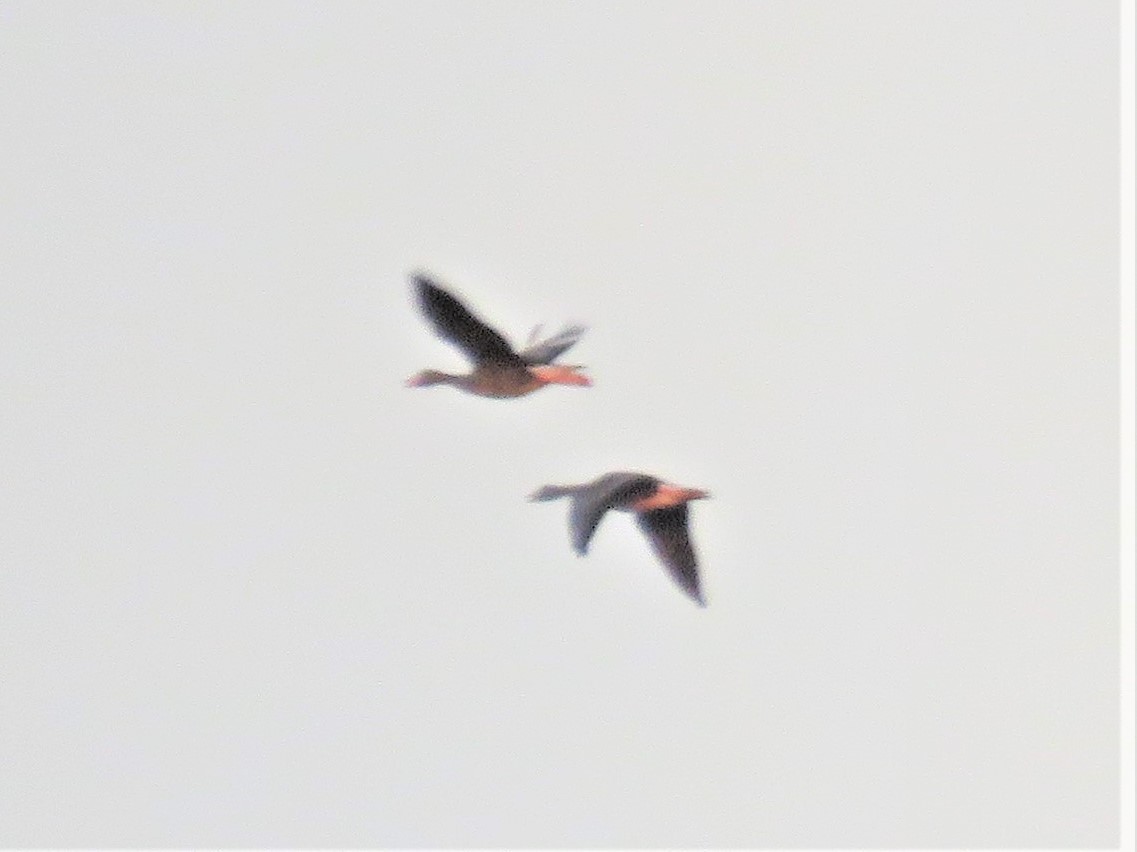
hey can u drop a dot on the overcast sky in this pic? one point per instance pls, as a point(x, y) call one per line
point(851, 267)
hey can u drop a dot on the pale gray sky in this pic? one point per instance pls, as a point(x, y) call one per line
point(850, 267)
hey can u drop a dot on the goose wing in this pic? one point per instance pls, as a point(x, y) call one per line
point(545, 351)
point(458, 325)
point(667, 531)
point(591, 502)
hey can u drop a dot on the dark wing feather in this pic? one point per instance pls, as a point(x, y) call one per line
point(545, 351)
point(591, 502)
point(666, 529)
point(459, 326)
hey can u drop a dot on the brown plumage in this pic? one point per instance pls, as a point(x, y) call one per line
point(498, 371)
point(661, 511)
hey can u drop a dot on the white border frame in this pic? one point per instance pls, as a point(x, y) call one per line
point(1126, 398)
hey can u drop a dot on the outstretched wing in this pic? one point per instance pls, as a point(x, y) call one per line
point(666, 529)
point(456, 324)
point(545, 351)
point(591, 502)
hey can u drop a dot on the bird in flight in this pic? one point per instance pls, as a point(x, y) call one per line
point(498, 370)
point(660, 509)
